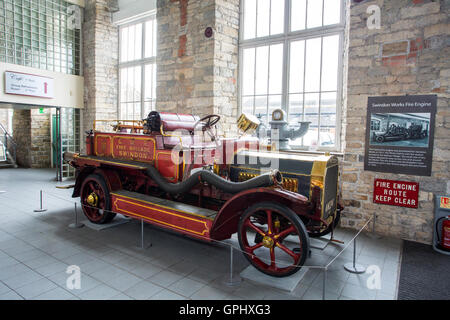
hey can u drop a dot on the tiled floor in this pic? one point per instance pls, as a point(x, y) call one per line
point(37, 248)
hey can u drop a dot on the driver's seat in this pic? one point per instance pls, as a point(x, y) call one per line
point(166, 122)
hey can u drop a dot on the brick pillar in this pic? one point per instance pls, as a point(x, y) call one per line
point(197, 74)
point(22, 136)
point(100, 59)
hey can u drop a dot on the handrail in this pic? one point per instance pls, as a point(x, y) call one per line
point(9, 144)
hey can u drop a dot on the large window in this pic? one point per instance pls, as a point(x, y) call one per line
point(40, 34)
point(290, 58)
point(137, 69)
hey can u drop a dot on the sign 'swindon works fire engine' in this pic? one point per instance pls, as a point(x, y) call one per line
point(142, 170)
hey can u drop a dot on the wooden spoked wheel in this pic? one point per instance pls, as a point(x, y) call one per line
point(273, 238)
point(95, 200)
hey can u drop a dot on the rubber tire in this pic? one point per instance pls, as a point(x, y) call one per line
point(379, 139)
point(329, 229)
point(295, 219)
point(107, 216)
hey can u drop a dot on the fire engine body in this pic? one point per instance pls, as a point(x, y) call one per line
point(156, 170)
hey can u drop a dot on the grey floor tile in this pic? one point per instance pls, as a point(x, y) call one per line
point(22, 279)
point(210, 293)
point(55, 294)
point(317, 294)
point(145, 270)
point(36, 288)
point(358, 293)
point(121, 296)
point(123, 281)
point(143, 290)
point(165, 278)
point(4, 288)
point(52, 269)
point(10, 295)
point(167, 295)
point(100, 292)
point(186, 287)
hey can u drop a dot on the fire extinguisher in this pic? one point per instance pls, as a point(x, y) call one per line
point(444, 239)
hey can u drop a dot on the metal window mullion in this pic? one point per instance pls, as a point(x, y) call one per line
point(320, 92)
point(268, 81)
point(254, 83)
point(304, 78)
point(286, 59)
point(143, 79)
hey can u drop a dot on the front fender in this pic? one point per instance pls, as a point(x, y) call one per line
point(227, 220)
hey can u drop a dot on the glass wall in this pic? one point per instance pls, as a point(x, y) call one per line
point(42, 34)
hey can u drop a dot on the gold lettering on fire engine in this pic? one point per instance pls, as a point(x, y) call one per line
point(129, 149)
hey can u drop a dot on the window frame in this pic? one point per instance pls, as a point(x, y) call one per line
point(287, 37)
point(142, 63)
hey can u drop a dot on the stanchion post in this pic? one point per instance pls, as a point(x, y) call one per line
point(324, 288)
point(142, 236)
point(41, 209)
point(76, 224)
point(353, 267)
point(232, 280)
point(373, 235)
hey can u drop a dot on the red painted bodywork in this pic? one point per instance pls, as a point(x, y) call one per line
point(122, 158)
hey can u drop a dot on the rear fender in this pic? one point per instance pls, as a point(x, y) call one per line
point(227, 220)
point(111, 177)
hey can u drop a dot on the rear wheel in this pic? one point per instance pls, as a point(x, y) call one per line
point(282, 244)
point(95, 200)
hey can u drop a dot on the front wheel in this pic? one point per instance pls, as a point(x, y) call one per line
point(282, 245)
point(95, 200)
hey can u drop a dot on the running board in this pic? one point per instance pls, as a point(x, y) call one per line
point(180, 217)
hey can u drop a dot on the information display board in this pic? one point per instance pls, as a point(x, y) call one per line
point(399, 134)
point(29, 85)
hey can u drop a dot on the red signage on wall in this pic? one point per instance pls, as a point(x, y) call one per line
point(396, 193)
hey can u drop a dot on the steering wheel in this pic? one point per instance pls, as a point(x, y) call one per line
point(207, 124)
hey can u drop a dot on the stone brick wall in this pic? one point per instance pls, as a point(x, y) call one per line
point(41, 146)
point(197, 74)
point(408, 55)
point(22, 136)
point(100, 59)
point(33, 137)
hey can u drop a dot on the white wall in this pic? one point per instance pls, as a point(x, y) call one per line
point(130, 9)
point(69, 89)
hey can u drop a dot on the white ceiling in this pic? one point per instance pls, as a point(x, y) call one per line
point(129, 9)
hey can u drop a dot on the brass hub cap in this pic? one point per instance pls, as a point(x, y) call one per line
point(92, 199)
point(268, 242)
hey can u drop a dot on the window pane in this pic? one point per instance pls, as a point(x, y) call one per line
point(149, 85)
point(314, 18)
point(247, 104)
point(131, 40)
point(250, 19)
point(297, 64)
point(330, 61)
point(274, 103)
point(295, 108)
point(298, 14)
point(261, 108)
point(248, 72)
point(138, 42)
point(263, 12)
point(149, 39)
point(328, 119)
point(312, 73)
point(277, 17)
point(276, 69)
point(262, 57)
point(332, 12)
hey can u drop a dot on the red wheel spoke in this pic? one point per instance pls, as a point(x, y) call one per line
point(269, 221)
point(272, 258)
point(253, 248)
point(285, 233)
point(255, 228)
point(289, 252)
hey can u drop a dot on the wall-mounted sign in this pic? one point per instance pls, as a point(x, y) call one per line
point(28, 85)
point(396, 193)
point(399, 134)
point(445, 203)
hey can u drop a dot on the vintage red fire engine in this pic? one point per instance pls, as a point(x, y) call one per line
point(210, 189)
